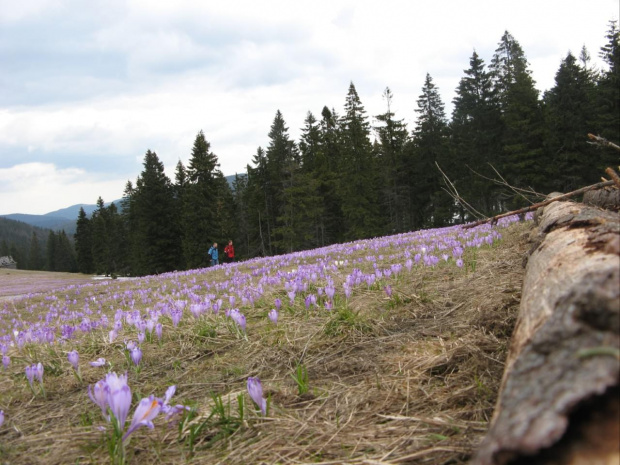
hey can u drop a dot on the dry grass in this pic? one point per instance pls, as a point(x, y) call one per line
point(411, 379)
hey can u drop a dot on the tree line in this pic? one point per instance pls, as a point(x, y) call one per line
point(36, 248)
point(351, 177)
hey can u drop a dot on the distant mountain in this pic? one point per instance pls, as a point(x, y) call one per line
point(65, 218)
point(44, 221)
point(73, 211)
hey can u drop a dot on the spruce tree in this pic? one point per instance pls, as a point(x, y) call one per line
point(433, 207)
point(358, 181)
point(327, 172)
point(155, 241)
point(393, 136)
point(609, 96)
point(83, 243)
point(52, 253)
point(309, 187)
point(35, 255)
point(201, 218)
point(258, 205)
point(570, 113)
point(475, 130)
point(101, 239)
point(282, 161)
point(521, 116)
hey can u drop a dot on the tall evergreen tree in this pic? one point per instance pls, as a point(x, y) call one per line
point(358, 180)
point(52, 254)
point(155, 242)
point(83, 243)
point(433, 207)
point(258, 204)
point(282, 158)
point(476, 130)
point(521, 115)
point(327, 165)
point(202, 216)
point(35, 254)
point(609, 95)
point(310, 221)
point(241, 216)
point(570, 113)
point(393, 136)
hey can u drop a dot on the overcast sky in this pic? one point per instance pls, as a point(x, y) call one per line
point(87, 87)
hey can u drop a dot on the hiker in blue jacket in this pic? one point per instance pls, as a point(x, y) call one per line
point(214, 255)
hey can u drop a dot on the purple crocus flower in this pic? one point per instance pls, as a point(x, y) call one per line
point(30, 374)
point(99, 396)
point(112, 335)
point(330, 291)
point(459, 263)
point(273, 316)
point(1, 417)
point(38, 372)
point(136, 355)
point(278, 304)
point(6, 361)
point(388, 290)
point(74, 359)
point(98, 363)
point(255, 389)
point(141, 337)
point(145, 412)
point(158, 330)
point(118, 396)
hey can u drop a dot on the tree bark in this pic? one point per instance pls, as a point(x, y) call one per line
point(558, 401)
point(609, 199)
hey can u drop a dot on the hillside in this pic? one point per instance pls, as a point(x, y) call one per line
point(16, 238)
point(384, 350)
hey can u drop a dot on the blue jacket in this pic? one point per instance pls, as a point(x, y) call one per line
point(213, 253)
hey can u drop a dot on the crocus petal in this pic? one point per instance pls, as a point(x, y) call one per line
point(146, 411)
point(118, 396)
point(99, 396)
point(98, 363)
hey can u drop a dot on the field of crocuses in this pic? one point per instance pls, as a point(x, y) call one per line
point(387, 350)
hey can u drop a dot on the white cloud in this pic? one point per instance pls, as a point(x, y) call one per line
point(44, 188)
point(140, 75)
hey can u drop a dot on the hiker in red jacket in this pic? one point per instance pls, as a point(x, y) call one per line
point(229, 252)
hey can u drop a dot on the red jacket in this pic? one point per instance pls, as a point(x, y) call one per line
point(229, 250)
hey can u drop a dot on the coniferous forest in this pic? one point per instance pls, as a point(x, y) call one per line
point(347, 178)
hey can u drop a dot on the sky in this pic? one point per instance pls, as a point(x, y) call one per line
point(86, 88)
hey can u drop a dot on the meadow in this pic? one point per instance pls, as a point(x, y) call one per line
point(386, 350)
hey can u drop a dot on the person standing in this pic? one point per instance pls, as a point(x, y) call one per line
point(214, 254)
point(229, 252)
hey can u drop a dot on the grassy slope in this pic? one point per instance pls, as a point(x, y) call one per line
point(406, 379)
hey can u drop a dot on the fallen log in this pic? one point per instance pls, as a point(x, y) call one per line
point(559, 397)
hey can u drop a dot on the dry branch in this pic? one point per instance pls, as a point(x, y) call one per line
point(540, 204)
point(598, 140)
point(558, 401)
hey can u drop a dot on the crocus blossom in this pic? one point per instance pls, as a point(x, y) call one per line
point(136, 355)
point(255, 389)
point(99, 396)
point(273, 316)
point(118, 396)
point(145, 412)
point(30, 374)
point(74, 359)
point(1, 417)
point(98, 363)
